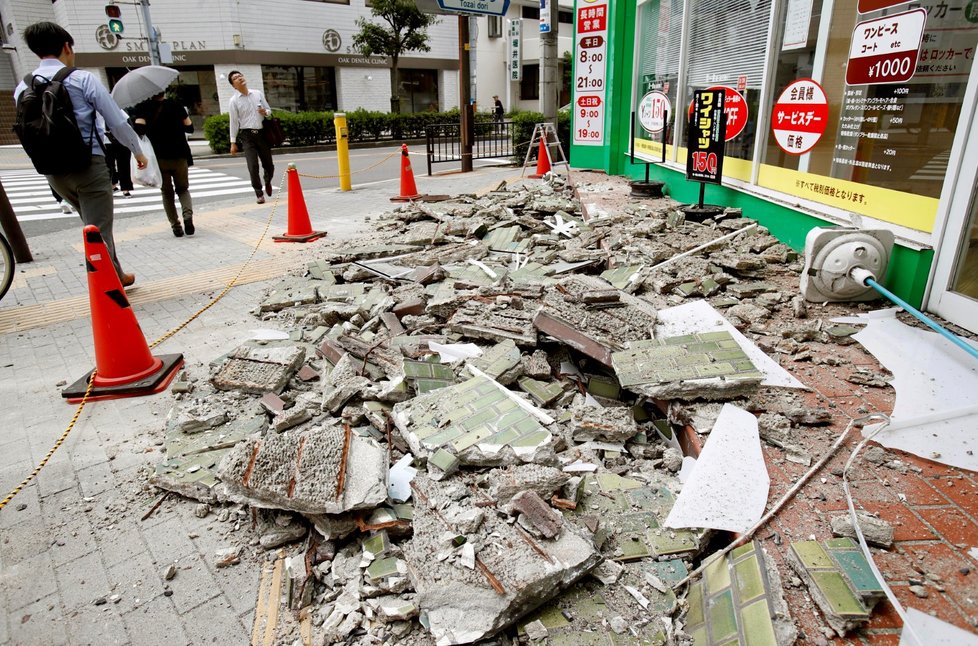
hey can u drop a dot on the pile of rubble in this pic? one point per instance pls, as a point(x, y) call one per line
point(473, 423)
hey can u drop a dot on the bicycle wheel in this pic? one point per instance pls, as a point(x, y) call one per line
point(6, 265)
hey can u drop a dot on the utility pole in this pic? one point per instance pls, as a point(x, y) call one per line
point(152, 36)
point(549, 81)
point(465, 93)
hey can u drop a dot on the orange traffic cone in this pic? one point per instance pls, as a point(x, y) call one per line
point(124, 365)
point(409, 190)
point(300, 230)
point(543, 161)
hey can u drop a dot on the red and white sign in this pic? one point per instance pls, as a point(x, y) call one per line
point(590, 72)
point(866, 6)
point(800, 116)
point(885, 50)
point(652, 111)
point(735, 107)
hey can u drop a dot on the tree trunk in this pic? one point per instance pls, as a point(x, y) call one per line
point(395, 95)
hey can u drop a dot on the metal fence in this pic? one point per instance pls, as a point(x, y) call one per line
point(491, 140)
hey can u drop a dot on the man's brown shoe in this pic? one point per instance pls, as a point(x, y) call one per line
point(127, 279)
point(261, 199)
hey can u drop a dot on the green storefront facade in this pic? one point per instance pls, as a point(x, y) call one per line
point(851, 113)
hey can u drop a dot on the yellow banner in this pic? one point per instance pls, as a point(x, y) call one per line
point(905, 209)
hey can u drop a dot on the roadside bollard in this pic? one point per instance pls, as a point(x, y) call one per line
point(342, 150)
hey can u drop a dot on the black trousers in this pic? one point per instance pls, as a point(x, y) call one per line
point(255, 149)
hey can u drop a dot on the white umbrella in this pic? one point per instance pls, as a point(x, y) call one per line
point(142, 83)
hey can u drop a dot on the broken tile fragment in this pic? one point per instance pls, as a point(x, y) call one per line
point(536, 515)
point(259, 369)
point(739, 600)
point(839, 579)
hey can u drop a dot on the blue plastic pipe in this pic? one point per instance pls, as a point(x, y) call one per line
point(956, 340)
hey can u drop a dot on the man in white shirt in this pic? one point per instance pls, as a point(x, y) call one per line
point(247, 110)
point(89, 191)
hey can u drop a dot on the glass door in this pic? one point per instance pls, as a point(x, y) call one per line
point(954, 286)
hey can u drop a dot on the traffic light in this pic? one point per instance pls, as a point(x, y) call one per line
point(114, 13)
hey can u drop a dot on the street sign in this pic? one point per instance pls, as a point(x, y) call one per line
point(885, 50)
point(478, 7)
point(800, 116)
point(544, 17)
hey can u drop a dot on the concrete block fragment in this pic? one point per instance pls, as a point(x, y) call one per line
point(259, 369)
point(536, 515)
point(876, 531)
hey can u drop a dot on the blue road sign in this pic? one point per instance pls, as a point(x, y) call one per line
point(480, 7)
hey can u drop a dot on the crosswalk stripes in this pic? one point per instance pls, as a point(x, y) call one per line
point(30, 196)
point(935, 169)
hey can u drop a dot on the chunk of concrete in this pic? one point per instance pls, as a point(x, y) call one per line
point(536, 515)
point(876, 531)
point(299, 471)
point(259, 369)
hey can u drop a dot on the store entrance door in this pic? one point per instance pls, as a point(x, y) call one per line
point(954, 290)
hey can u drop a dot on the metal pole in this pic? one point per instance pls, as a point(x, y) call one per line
point(11, 227)
point(465, 95)
point(152, 36)
point(342, 150)
point(549, 81)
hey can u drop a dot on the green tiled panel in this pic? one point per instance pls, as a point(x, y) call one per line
point(471, 438)
point(527, 425)
point(840, 543)
point(717, 576)
point(715, 370)
point(695, 616)
point(854, 565)
point(533, 439)
point(812, 555)
point(503, 438)
point(510, 418)
point(723, 619)
point(478, 420)
point(719, 335)
point(833, 587)
point(750, 582)
point(427, 385)
point(741, 551)
point(699, 637)
point(671, 542)
point(756, 622)
point(443, 437)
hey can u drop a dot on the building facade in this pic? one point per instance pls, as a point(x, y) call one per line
point(839, 112)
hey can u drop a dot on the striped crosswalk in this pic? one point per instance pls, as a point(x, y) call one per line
point(30, 196)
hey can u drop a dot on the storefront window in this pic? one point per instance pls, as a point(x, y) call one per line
point(299, 88)
point(728, 45)
point(418, 90)
point(892, 105)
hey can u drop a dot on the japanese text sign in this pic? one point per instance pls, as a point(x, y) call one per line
point(707, 126)
point(545, 16)
point(515, 50)
point(800, 116)
point(589, 72)
point(885, 50)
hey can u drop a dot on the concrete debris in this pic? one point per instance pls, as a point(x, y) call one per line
point(487, 399)
point(876, 531)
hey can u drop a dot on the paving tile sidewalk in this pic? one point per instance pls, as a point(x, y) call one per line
point(77, 565)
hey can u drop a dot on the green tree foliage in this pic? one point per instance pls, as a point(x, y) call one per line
point(405, 31)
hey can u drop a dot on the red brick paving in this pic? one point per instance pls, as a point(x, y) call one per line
point(906, 526)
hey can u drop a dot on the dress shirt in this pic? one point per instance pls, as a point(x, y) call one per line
point(244, 111)
point(88, 95)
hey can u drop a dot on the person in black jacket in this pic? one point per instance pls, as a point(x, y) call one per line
point(165, 122)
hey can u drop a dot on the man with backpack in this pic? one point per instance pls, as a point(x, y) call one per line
point(61, 136)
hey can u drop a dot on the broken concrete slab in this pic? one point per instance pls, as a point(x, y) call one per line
point(513, 574)
point(876, 531)
point(839, 579)
point(307, 471)
point(482, 422)
point(613, 424)
point(290, 292)
point(259, 369)
point(709, 366)
point(739, 600)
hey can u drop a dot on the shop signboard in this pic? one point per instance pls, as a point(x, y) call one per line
point(885, 50)
point(707, 123)
point(515, 50)
point(590, 34)
point(866, 6)
point(735, 109)
point(652, 111)
point(800, 116)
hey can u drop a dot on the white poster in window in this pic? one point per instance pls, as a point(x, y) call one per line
point(515, 64)
point(797, 22)
point(590, 34)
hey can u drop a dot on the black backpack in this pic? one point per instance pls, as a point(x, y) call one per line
point(46, 126)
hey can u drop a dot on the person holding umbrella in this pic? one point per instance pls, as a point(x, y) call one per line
point(88, 191)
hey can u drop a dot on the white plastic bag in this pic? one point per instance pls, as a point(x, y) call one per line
point(149, 176)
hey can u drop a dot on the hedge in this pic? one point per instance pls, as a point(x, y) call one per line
point(310, 128)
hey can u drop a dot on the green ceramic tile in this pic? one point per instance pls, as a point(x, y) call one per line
point(695, 600)
point(502, 438)
point(722, 618)
point(750, 582)
point(632, 547)
point(676, 541)
point(834, 588)
point(377, 544)
point(552, 618)
point(404, 511)
point(812, 555)
point(841, 543)
point(443, 460)
point(757, 626)
point(742, 551)
point(717, 575)
point(856, 568)
point(471, 438)
point(699, 637)
point(428, 385)
point(443, 437)
point(531, 440)
point(382, 568)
